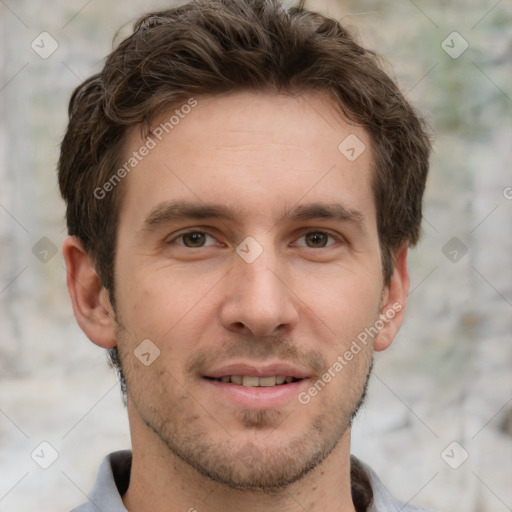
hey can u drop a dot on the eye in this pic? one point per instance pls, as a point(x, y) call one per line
point(194, 240)
point(316, 240)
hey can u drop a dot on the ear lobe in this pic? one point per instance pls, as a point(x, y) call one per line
point(394, 301)
point(90, 301)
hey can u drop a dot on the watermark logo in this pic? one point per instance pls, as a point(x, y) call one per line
point(454, 45)
point(44, 455)
point(454, 249)
point(455, 455)
point(352, 147)
point(249, 454)
point(146, 352)
point(44, 45)
point(44, 250)
point(249, 250)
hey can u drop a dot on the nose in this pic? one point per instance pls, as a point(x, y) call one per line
point(258, 300)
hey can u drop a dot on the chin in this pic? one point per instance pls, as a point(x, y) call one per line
point(265, 470)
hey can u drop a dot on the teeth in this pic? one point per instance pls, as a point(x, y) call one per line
point(267, 381)
point(251, 382)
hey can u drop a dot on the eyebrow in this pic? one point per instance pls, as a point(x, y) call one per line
point(334, 211)
point(175, 211)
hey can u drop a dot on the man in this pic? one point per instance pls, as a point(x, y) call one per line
point(242, 183)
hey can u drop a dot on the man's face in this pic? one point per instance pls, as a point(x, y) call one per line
point(247, 249)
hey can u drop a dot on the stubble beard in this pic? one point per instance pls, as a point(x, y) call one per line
point(246, 466)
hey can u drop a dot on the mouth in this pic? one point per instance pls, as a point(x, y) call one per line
point(255, 386)
point(250, 381)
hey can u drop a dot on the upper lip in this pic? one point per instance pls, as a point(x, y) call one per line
point(262, 370)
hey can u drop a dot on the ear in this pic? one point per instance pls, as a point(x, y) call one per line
point(393, 301)
point(91, 303)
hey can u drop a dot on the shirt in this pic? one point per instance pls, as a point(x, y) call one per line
point(114, 477)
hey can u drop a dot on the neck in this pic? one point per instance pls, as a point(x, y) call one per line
point(161, 481)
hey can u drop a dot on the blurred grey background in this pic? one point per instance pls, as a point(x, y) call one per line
point(437, 425)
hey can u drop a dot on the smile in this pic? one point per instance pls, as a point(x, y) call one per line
point(251, 381)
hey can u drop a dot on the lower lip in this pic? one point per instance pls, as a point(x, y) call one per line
point(257, 397)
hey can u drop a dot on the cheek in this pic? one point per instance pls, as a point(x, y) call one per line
point(344, 303)
point(163, 304)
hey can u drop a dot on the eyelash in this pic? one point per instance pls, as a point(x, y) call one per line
point(335, 238)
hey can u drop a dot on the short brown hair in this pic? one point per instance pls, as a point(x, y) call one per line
point(213, 47)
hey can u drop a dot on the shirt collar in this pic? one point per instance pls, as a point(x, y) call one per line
point(114, 477)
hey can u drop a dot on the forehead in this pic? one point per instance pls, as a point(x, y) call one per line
point(248, 149)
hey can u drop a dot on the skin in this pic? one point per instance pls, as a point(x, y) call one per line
point(302, 301)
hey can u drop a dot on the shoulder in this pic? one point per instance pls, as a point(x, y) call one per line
point(383, 501)
point(112, 480)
